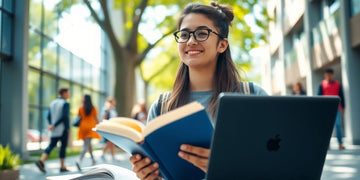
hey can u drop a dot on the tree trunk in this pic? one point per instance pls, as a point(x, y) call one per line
point(124, 83)
point(146, 90)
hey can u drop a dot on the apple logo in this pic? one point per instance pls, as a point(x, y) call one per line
point(273, 144)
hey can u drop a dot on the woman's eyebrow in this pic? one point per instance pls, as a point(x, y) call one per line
point(199, 27)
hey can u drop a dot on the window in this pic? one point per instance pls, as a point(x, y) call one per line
point(52, 66)
point(6, 28)
point(34, 53)
point(64, 63)
point(49, 55)
point(355, 7)
point(34, 87)
point(49, 90)
point(330, 7)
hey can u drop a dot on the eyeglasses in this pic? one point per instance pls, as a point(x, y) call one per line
point(200, 35)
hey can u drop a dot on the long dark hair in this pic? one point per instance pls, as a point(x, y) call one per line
point(226, 76)
point(88, 106)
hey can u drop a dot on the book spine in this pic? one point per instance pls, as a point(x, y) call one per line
point(164, 173)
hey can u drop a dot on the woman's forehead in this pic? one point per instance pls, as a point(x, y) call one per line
point(194, 20)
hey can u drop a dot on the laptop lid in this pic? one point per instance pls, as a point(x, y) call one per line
point(271, 137)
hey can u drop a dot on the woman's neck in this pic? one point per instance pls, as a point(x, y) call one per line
point(201, 80)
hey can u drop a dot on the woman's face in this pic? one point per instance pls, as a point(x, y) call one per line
point(200, 54)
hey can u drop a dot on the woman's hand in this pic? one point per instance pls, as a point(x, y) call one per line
point(197, 156)
point(143, 167)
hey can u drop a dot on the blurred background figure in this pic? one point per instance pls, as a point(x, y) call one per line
point(331, 87)
point(298, 89)
point(88, 114)
point(139, 111)
point(58, 119)
point(109, 111)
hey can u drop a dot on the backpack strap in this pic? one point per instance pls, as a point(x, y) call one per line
point(162, 103)
point(247, 87)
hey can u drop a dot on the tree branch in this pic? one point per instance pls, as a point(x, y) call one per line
point(106, 25)
point(105, 10)
point(143, 54)
point(158, 72)
point(93, 13)
point(138, 12)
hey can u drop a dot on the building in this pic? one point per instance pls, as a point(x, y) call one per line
point(33, 66)
point(308, 36)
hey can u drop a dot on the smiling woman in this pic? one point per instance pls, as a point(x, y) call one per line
point(205, 71)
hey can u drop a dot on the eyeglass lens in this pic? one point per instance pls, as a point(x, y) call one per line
point(199, 35)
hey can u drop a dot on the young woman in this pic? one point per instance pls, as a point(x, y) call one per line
point(206, 70)
point(88, 114)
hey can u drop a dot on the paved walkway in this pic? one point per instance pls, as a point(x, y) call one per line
point(339, 165)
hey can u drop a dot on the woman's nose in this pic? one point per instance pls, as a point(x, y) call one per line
point(192, 40)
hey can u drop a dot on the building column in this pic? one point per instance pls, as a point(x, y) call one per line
point(350, 65)
point(14, 95)
point(311, 19)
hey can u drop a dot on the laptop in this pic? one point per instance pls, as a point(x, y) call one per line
point(271, 137)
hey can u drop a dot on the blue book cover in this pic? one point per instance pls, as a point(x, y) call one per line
point(161, 140)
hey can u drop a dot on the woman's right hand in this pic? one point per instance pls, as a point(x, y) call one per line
point(143, 167)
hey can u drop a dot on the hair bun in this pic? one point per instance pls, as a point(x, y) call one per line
point(226, 10)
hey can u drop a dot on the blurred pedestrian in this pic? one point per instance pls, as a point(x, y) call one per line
point(139, 112)
point(331, 87)
point(88, 114)
point(58, 119)
point(298, 89)
point(109, 111)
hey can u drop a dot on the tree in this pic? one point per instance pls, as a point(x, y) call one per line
point(131, 50)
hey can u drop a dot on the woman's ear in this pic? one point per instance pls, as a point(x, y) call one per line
point(223, 44)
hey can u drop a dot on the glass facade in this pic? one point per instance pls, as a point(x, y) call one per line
point(355, 7)
point(6, 30)
point(52, 66)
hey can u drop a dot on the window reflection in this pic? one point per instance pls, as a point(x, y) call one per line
point(355, 7)
point(50, 18)
point(34, 55)
point(35, 10)
point(49, 54)
point(6, 40)
point(34, 87)
point(64, 63)
point(77, 74)
point(49, 90)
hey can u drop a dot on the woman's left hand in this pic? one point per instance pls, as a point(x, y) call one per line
point(197, 156)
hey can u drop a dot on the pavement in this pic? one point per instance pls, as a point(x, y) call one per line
point(339, 165)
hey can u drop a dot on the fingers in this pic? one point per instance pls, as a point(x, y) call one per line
point(143, 167)
point(199, 151)
point(198, 156)
point(134, 158)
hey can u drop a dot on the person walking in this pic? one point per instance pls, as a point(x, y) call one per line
point(331, 87)
point(58, 118)
point(88, 114)
point(109, 111)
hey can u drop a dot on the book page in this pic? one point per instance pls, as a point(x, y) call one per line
point(107, 171)
point(122, 127)
point(172, 116)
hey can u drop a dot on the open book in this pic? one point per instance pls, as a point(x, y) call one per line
point(160, 139)
point(99, 172)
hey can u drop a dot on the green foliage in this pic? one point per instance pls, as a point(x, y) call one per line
point(8, 159)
